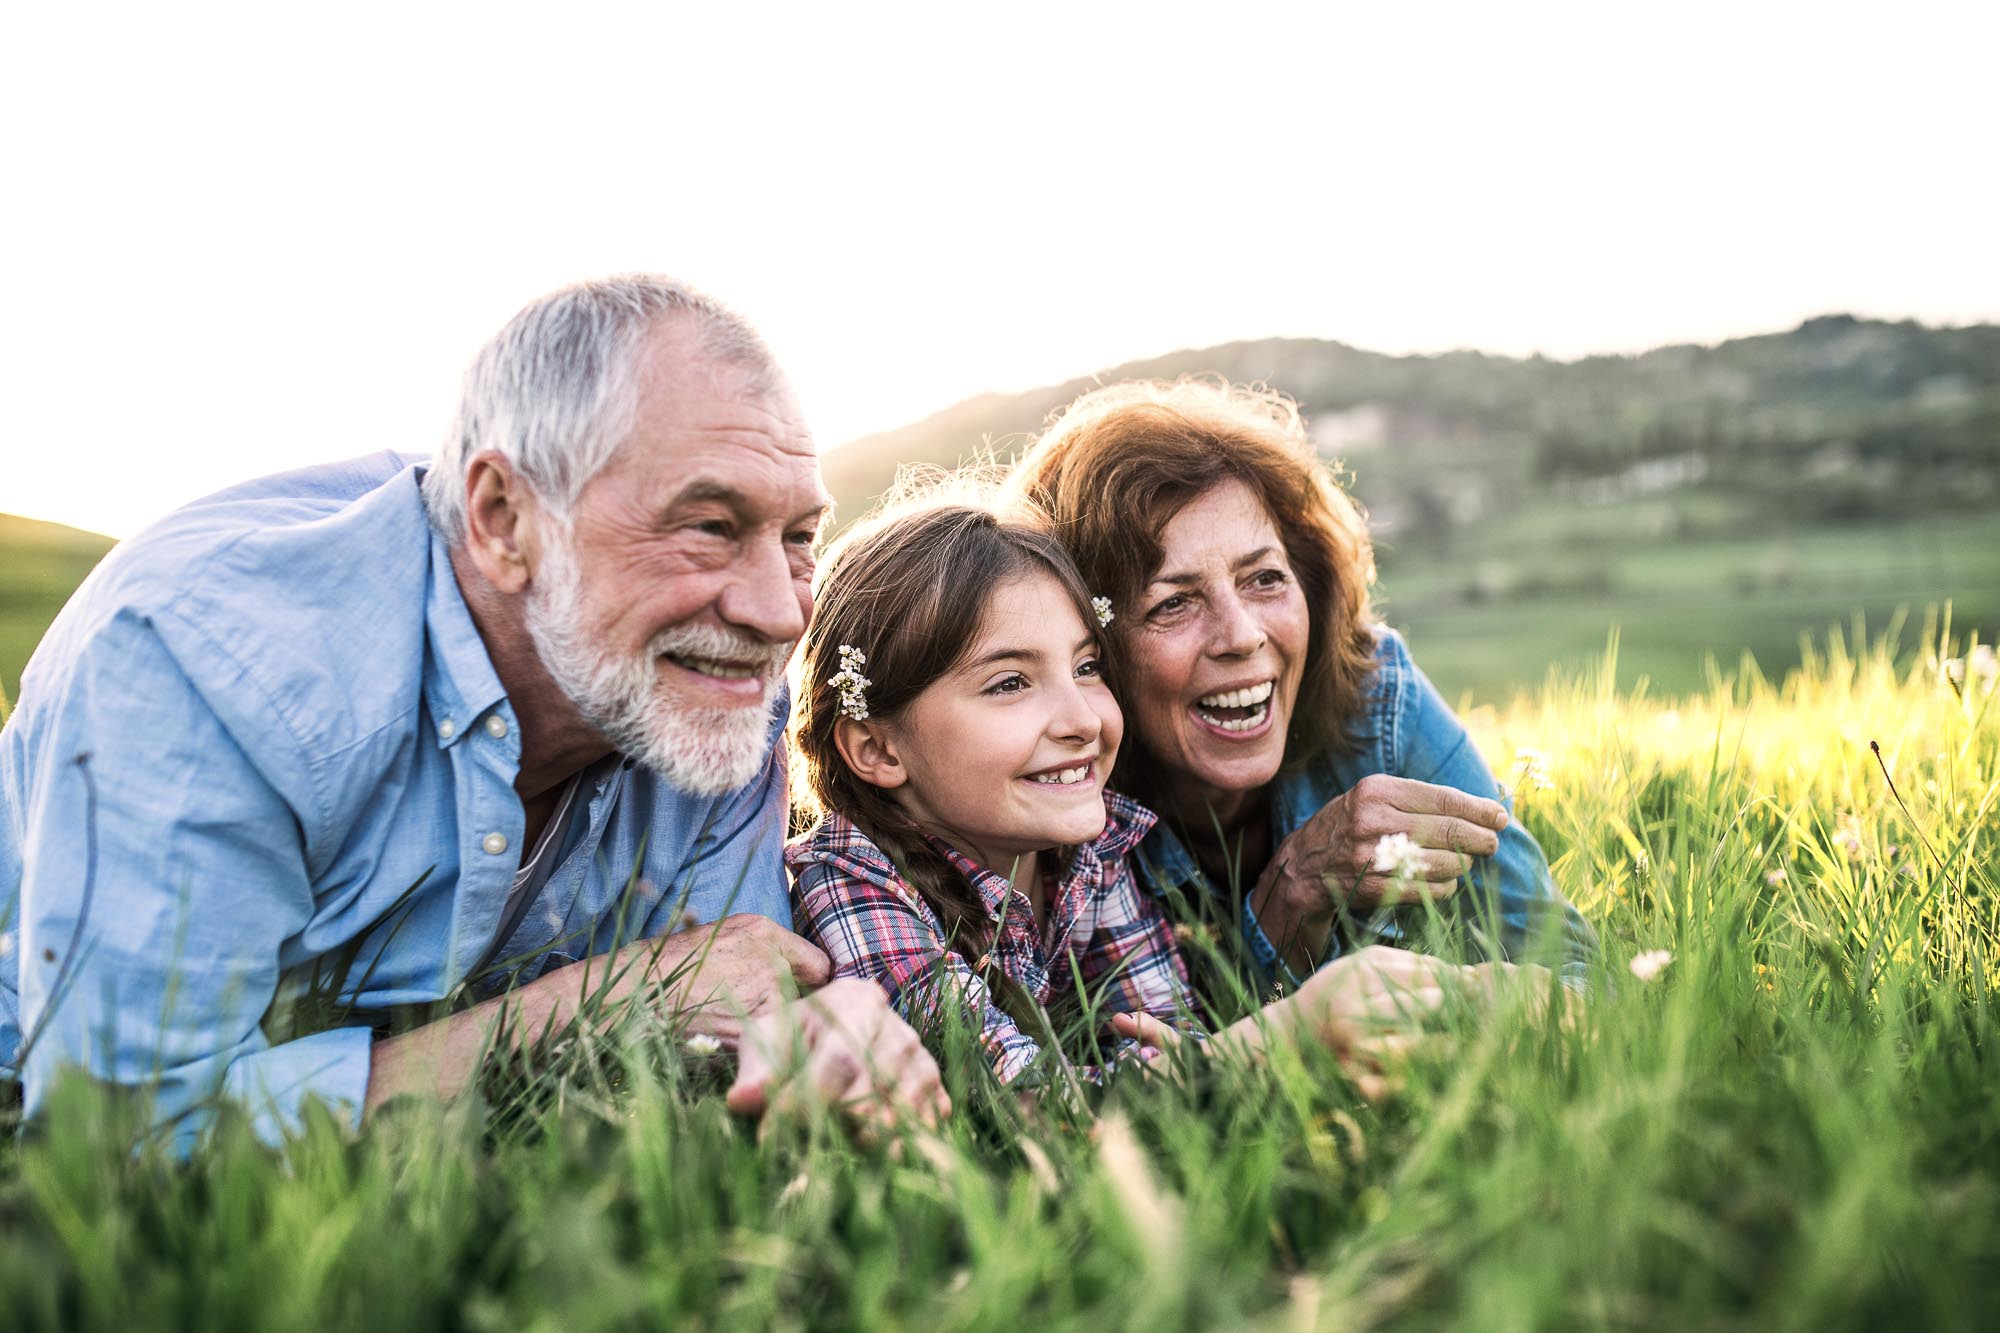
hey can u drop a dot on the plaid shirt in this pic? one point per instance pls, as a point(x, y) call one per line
point(1100, 930)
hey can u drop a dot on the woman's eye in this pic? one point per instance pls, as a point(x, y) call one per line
point(1270, 578)
point(1168, 606)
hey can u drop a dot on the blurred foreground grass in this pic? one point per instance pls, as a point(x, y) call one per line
point(1795, 1125)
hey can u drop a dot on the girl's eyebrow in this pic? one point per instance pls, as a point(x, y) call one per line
point(1023, 654)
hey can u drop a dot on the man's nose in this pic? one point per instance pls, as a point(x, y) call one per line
point(763, 597)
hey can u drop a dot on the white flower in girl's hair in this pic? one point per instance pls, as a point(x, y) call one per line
point(850, 684)
point(1102, 605)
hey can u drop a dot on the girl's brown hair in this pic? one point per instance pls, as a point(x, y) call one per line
point(1115, 467)
point(910, 591)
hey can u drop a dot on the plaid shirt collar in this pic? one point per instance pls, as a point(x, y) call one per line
point(839, 844)
point(1126, 825)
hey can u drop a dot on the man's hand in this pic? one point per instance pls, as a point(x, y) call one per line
point(742, 967)
point(843, 1047)
point(1333, 853)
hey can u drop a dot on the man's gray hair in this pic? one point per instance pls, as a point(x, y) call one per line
point(557, 390)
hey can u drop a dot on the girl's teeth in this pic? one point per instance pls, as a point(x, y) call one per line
point(1063, 777)
point(1254, 694)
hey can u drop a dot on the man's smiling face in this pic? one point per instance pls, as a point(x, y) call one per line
point(667, 611)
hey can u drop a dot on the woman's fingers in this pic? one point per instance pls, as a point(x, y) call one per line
point(1146, 1029)
point(1449, 834)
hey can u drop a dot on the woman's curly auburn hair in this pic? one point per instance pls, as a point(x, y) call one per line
point(1115, 466)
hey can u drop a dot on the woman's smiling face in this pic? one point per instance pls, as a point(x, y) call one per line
point(1218, 640)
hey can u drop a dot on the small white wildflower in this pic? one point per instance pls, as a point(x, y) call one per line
point(1954, 670)
point(1775, 877)
point(1651, 963)
point(1642, 864)
point(1984, 663)
point(850, 684)
point(1399, 857)
point(702, 1045)
point(1102, 606)
point(1531, 770)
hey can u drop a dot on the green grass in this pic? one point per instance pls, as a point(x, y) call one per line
point(1796, 1126)
point(40, 565)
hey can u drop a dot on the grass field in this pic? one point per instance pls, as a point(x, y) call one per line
point(1795, 1125)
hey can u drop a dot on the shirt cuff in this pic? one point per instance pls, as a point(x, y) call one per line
point(1272, 968)
point(274, 1085)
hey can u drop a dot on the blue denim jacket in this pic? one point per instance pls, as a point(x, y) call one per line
point(299, 751)
point(1409, 731)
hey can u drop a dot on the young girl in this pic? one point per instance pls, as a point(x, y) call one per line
point(953, 735)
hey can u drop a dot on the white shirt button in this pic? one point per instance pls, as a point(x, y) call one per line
point(447, 728)
point(496, 726)
point(494, 843)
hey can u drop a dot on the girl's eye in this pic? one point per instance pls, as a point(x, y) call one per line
point(1013, 684)
point(1089, 668)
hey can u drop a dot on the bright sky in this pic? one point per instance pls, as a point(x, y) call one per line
point(248, 237)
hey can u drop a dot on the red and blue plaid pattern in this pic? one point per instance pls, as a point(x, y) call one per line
point(1101, 931)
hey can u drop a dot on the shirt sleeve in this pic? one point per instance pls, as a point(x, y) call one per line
point(162, 873)
point(1511, 889)
point(1130, 964)
point(874, 932)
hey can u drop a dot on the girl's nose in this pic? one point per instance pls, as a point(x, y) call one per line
point(1074, 718)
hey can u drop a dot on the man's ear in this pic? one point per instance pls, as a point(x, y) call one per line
point(502, 522)
point(869, 748)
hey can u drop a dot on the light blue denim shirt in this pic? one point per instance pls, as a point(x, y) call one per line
point(300, 753)
point(1408, 731)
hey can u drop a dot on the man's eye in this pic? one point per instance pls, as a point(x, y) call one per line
point(804, 537)
point(715, 527)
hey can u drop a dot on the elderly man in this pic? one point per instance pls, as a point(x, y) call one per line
point(380, 734)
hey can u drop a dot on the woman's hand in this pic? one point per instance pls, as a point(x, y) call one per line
point(1333, 853)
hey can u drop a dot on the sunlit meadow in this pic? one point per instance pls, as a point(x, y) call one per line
point(1779, 1107)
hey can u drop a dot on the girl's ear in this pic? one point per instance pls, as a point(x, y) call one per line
point(870, 750)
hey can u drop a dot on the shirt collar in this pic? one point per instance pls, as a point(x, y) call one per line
point(1126, 824)
point(1164, 859)
point(459, 680)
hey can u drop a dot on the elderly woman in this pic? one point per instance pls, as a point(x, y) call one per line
point(1283, 734)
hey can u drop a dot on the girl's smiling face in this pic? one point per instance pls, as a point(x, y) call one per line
point(1006, 754)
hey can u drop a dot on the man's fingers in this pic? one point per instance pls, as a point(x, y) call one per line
point(810, 966)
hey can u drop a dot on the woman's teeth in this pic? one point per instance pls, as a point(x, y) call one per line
point(1062, 777)
point(1243, 698)
point(1248, 707)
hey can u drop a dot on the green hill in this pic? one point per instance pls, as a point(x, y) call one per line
point(40, 565)
point(1699, 499)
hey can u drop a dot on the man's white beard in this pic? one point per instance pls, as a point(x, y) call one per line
point(703, 751)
